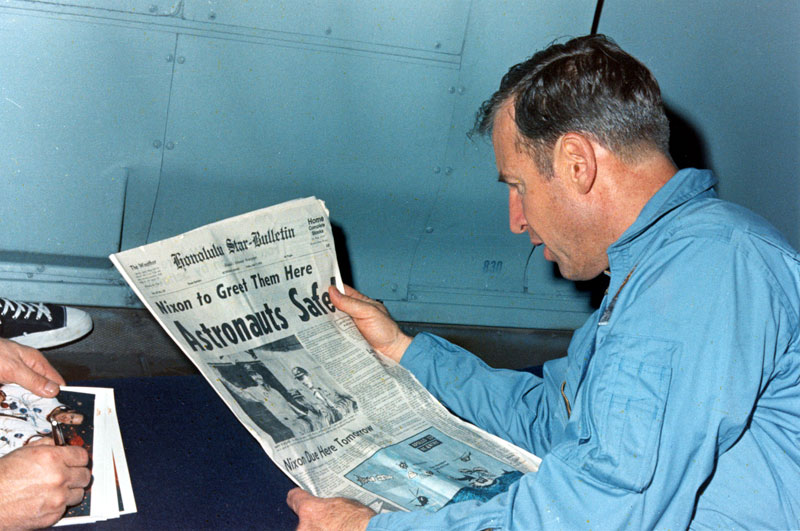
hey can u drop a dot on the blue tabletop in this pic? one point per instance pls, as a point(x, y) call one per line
point(192, 464)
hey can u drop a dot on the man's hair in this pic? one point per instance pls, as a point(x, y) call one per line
point(587, 85)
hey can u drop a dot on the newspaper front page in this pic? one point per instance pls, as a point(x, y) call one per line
point(246, 300)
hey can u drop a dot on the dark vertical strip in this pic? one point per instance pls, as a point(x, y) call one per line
point(596, 21)
point(164, 138)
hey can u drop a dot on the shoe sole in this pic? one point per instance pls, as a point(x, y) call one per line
point(77, 324)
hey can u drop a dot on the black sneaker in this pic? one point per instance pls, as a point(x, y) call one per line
point(41, 325)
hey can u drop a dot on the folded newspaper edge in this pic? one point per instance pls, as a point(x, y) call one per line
point(246, 300)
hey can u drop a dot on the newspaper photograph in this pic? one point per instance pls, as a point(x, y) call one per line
point(246, 299)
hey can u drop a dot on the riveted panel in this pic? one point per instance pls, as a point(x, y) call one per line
point(413, 24)
point(80, 106)
point(469, 267)
point(255, 124)
point(145, 7)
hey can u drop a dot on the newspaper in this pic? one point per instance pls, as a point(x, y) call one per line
point(246, 300)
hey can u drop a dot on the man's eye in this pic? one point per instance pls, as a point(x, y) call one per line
point(518, 187)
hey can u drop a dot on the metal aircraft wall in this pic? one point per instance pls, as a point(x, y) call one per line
point(126, 121)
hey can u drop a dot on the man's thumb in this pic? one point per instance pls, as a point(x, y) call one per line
point(36, 383)
point(342, 302)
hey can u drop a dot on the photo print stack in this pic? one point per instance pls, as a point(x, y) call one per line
point(79, 416)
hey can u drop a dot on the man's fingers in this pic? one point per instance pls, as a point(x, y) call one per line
point(75, 496)
point(36, 383)
point(74, 456)
point(327, 513)
point(355, 294)
point(353, 303)
point(36, 361)
point(27, 367)
point(373, 321)
point(296, 497)
point(42, 441)
point(343, 301)
point(39, 364)
point(37, 483)
point(79, 478)
point(352, 292)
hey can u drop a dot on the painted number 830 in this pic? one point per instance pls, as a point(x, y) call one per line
point(492, 266)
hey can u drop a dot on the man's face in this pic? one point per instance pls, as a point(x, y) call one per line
point(257, 378)
point(69, 417)
point(305, 380)
point(551, 211)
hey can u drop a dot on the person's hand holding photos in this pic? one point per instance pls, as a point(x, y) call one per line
point(39, 481)
point(373, 321)
point(27, 367)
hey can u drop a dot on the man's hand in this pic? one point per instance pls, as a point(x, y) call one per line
point(28, 367)
point(39, 481)
point(328, 514)
point(373, 321)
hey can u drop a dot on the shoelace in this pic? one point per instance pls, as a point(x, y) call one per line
point(28, 307)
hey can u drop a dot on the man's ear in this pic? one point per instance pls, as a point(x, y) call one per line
point(575, 157)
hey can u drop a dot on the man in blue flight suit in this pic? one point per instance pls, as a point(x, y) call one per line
point(678, 404)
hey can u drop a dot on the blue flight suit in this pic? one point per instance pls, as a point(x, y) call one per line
point(683, 387)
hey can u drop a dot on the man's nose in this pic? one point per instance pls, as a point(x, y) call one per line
point(516, 218)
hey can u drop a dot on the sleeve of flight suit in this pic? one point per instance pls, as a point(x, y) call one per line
point(671, 383)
